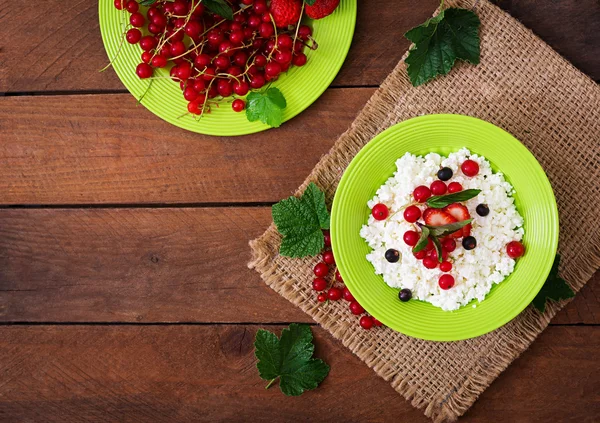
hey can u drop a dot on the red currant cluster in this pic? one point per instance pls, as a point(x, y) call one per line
point(335, 289)
point(212, 56)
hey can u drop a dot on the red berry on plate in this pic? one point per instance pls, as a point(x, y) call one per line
point(148, 42)
point(160, 62)
point(194, 108)
point(377, 322)
point(144, 70)
point(449, 245)
point(334, 293)
point(412, 214)
point(515, 249)
point(319, 284)
point(133, 36)
point(347, 295)
point(119, 4)
point(454, 187)
point(470, 168)
point(137, 19)
point(433, 254)
point(327, 238)
point(429, 246)
point(366, 322)
point(321, 269)
point(241, 87)
point(338, 277)
point(446, 281)
point(299, 59)
point(420, 255)
point(238, 105)
point(445, 266)
point(380, 211)
point(190, 94)
point(321, 298)
point(421, 193)
point(430, 262)
point(304, 32)
point(132, 6)
point(328, 257)
point(356, 308)
point(411, 238)
point(193, 29)
point(438, 188)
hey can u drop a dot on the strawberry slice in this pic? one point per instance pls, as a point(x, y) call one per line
point(437, 217)
point(460, 213)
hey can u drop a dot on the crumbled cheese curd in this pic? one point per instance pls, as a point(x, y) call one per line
point(475, 271)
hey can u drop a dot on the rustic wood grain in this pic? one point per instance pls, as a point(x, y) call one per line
point(571, 27)
point(56, 45)
point(207, 373)
point(105, 149)
point(153, 265)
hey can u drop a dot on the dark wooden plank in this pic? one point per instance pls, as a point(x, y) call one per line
point(152, 265)
point(56, 46)
point(207, 373)
point(105, 149)
point(571, 27)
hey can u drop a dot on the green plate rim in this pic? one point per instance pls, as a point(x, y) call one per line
point(230, 122)
point(337, 243)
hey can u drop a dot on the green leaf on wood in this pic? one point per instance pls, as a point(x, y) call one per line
point(555, 288)
point(289, 358)
point(440, 41)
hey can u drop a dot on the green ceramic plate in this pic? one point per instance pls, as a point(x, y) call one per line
point(443, 134)
point(300, 86)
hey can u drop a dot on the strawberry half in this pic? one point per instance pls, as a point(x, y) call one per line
point(321, 8)
point(437, 217)
point(460, 213)
point(285, 12)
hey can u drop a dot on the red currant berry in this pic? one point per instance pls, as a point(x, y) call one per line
point(137, 19)
point(421, 193)
point(159, 62)
point(412, 214)
point(299, 59)
point(177, 48)
point(356, 308)
point(159, 20)
point(449, 245)
point(321, 269)
point(236, 37)
point(184, 71)
point(222, 62)
point(515, 249)
point(240, 58)
point(199, 85)
point(380, 211)
point(144, 70)
point(146, 57)
point(454, 187)
point(347, 295)
point(446, 281)
point(470, 168)
point(321, 298)
point(254, 21)
point(283, 56)
point(319, 284)
point(201, 61)
point(132, 6)
point(241, 87)
point(304, 32)
point(238, 105)
point(260, 61)
point(438, 188)
point(133, 36)
point(327, 238)
point(411, 238)
point(272, 69)
point(420, 255)
point(193, 29)
point(225, 88)
point(328, 257)
point(147, 42)
point(366, 322)
point(334, 293)
point(266, 30)
point(190, 94)
point(194, 108)
point(260, 7)
point(429, 245)
point(209, 74)
point(119, 4)
point(430, 262)
point(445, 266)
point(257, 81)
point(377, 322)
point(338, 277)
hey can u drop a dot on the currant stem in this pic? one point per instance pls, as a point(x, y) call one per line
point(270, 383)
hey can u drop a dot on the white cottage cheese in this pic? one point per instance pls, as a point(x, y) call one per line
point(475, 271)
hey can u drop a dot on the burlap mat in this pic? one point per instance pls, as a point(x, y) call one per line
point(525, 87)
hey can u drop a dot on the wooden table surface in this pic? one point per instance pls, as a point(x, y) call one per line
point(124, 291)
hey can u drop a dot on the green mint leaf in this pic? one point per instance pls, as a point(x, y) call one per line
point(443, 230)
point(438, 248)
point(441, 201)
point(220, 7)
point(451, 35)
point(423, 240)
point(147, 2)
point(555, 288)
point(310, 2)
point(266, 106)
point(301, 221)
point(289, 358)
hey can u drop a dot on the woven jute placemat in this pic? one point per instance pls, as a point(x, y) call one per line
point(525, 87)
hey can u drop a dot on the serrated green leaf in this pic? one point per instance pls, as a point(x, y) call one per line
point(301, 221)
point(220, 7)
point(441, 201)
point(423, 240)
point(440, 41)
point(290, 359)
point(266, 106)
point(555, 288)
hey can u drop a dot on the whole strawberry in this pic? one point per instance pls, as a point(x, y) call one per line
point(321, 8)
point(286, 12)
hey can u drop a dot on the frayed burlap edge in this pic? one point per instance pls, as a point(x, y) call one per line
point(504, 345)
